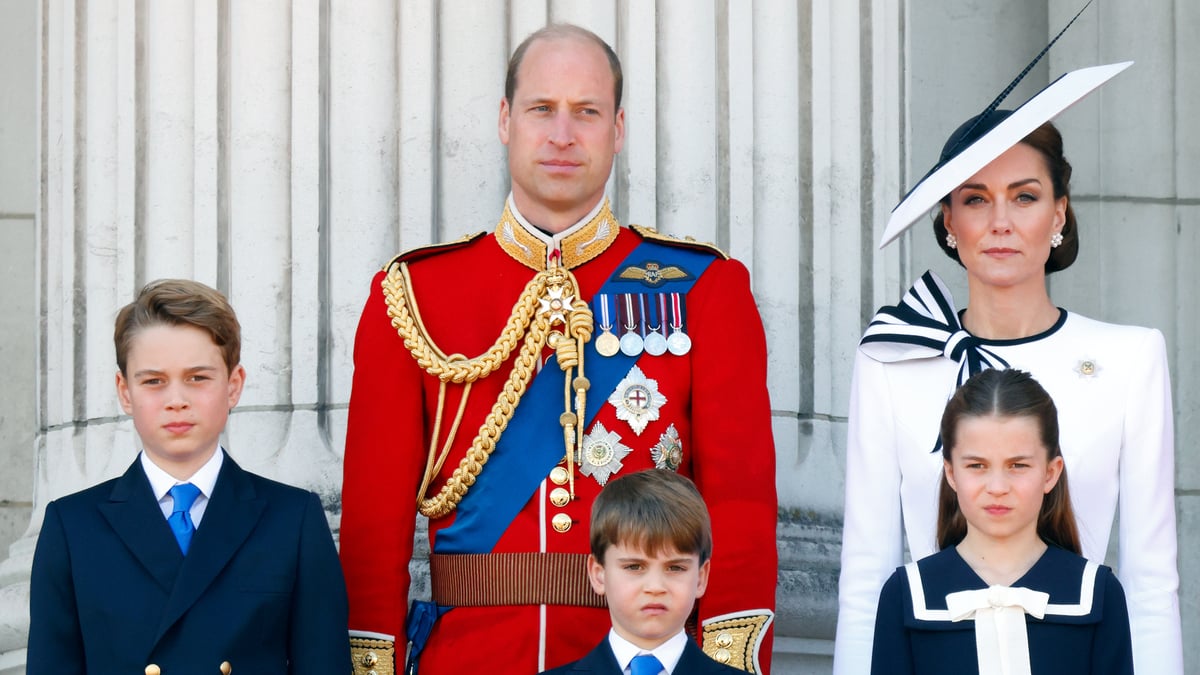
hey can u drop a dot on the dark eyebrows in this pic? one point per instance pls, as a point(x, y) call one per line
point(977, 458)
point(1011, 186)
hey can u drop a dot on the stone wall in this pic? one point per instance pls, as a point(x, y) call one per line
point(283, 150)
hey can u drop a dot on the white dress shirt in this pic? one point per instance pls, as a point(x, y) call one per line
point(668, 653)
point(205, 478)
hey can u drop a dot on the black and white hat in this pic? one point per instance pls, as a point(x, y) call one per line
point(983, 138)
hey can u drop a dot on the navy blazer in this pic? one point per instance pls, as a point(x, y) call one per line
point(261, 586)
point(601, 660)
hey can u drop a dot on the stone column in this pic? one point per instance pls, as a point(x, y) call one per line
point(283, 150)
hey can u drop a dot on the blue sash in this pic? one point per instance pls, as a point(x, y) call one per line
point(532, 443)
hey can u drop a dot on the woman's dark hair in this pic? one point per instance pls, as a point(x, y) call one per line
point(1048, 142)
point(1006, 393)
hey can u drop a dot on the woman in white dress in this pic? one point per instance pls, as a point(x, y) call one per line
point(1006, 217)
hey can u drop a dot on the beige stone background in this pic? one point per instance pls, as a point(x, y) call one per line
point(283, 149)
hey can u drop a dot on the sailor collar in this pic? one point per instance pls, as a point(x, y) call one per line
point(1076, 596)
point(577, 244)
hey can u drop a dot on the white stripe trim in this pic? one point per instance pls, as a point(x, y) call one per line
point(1087, 592)
point(1086, 595)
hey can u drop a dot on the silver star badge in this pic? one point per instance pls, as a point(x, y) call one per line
point(637, 400)
point(602, 453)
point(668, 452)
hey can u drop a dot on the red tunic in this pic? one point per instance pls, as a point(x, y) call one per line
point(716, 398)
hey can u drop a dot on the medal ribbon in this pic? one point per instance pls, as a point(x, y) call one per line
point(676, 314)
point(602, 302)
point(531, 445)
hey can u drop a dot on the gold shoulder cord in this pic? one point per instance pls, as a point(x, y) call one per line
point(549, 311)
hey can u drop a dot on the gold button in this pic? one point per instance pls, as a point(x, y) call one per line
point(724, 640)
point(369, 659)
point(153, 669)
point(722, 656)
point(1087, 368)
point(559, 476)
point(226, 669)
point(559, 497)
point(561, 522)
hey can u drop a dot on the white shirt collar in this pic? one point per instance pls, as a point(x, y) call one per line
point(205, 477)
point(668, 653)
point(552, 241)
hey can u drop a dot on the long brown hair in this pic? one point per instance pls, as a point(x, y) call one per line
point(1007, 393)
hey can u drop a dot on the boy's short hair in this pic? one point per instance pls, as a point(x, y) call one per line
point(653, 510)
point(180, 302)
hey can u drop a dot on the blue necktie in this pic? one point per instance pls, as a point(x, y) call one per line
point(180, 519)
point(645, 664)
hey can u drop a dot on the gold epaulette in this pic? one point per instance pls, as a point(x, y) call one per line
point(430, 249)
point(734, 639)
point(671, 240)
point(372, 657)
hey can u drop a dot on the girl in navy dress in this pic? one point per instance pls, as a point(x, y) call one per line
point(1008, 593)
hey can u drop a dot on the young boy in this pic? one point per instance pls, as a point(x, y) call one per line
point(651, 540)
point(187, 563)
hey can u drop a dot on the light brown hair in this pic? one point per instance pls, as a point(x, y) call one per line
point(1007, 393)
point(562, 31)
point(652, 510)
point(180, 302)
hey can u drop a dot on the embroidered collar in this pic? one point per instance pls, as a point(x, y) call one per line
point(577, 244)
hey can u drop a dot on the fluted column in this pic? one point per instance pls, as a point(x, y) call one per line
point(284, 150)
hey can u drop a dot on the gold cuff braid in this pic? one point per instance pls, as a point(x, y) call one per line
point(372, 657)
point(734, 639)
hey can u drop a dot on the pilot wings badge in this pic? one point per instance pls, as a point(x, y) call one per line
point(654, 273)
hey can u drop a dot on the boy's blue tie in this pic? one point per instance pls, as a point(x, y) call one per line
point(645, 664)
point(180, 519)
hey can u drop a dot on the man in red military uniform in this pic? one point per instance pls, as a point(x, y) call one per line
point(502, 379)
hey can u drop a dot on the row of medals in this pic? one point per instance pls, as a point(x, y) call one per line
point(643, 318)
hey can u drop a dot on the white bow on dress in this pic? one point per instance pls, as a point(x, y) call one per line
point(1000, 634)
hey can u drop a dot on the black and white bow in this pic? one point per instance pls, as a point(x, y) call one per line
point(925, 324)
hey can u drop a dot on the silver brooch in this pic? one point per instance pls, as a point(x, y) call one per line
point(668, 452)
point(637, 400)
point(602, 453)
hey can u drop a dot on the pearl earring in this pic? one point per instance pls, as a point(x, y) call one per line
point(951, 240)
point(1056, 240)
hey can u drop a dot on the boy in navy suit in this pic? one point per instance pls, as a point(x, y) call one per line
point(651, 541)
point(186, 563)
